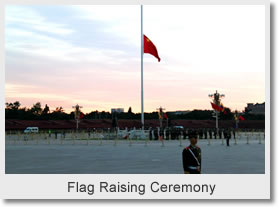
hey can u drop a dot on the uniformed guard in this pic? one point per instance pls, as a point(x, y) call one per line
point(206, 133)
point(227, 136)
point(191, 156)
point(210, 134)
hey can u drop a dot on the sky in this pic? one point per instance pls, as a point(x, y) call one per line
point(90, 55)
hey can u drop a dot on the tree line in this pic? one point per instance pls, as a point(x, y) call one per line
point(37, 112)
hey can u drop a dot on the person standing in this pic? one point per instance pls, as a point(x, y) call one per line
point(210, 134)
point(191, 156)
point(227, 136)
point(215, 134)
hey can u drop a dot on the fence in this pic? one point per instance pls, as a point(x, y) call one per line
point(130, 137)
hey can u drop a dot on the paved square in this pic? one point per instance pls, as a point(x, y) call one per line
point(104, 157)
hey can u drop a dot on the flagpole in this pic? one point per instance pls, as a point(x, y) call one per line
point(142, 52)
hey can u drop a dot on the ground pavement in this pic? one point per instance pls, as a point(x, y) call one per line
point(131, 157)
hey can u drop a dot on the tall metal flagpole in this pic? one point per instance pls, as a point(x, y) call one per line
point(142, 52)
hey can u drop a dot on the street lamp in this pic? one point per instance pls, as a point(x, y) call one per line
point(216, 99)
point(160, 115)
point(77, 114)
point(236, 117)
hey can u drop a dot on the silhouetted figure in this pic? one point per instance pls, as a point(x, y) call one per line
point(210, 134)
point(234, 133)
point(215, 134)
point(227, 136)
point(206, 133)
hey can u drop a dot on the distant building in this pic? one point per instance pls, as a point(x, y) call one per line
point(255, 108)
point(178, 112)
point(117, 110)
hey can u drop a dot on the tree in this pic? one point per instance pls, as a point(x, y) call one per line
point(129, 110)
point(36, 109)
point(16, 105)
point(59, 109)
point(13, 106)
point(46, 109)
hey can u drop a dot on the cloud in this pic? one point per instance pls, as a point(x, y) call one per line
point(120, 20)
point(93, 56)
point(30, 19)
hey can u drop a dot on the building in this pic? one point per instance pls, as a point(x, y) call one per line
point(256, 109)
point(117, 110)
point(178, 112)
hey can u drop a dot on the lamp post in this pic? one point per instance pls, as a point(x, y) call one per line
point(216, 98)
point(77, 114)
point(160, 115)
point(236, 117)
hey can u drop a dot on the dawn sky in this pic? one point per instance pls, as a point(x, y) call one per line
point(90, 55)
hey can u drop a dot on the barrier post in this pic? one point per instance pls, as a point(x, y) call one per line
point(247, 139)
point(73, 137)
point(88, 139)
point(208, 138)
point(25, 139)
point(162, 138)
point(181, 136)
point(109, 135)
point(260, 138)
point(116, 138)
point(14, 140)
point(18, 138)
point(235, 138)
point(222, 138)
point(48, 139)
point(129, 139)
point(98, 137)
point(37, 139)
point(147, 138)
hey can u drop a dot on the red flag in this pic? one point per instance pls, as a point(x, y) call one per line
point(222, 107)
point(241, 118)
point(165, 116)
point(81, 115)
point(150, 48)
point(216, 107)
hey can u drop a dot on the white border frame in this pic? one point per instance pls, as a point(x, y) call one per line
point(228, 186)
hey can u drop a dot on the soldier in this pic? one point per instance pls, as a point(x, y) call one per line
point(234, 133)
point(200, 133)
point(191, 156)
point(206, 133)
point(210, 134)
point(150, 133)
point(220, 133)
point(215, 133)
point(227, 136)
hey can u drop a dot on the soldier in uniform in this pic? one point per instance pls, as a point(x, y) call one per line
point(206, 133)
point(210, 134)
point(227, 136)
point(215, 133)
point(234, 133)
point(220, 133)
point(191, 156)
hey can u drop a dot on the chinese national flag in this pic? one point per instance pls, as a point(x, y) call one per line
point(216, 107)
point(81, 115)
point(165, 116)
point(241, 118)
point(150, 48)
